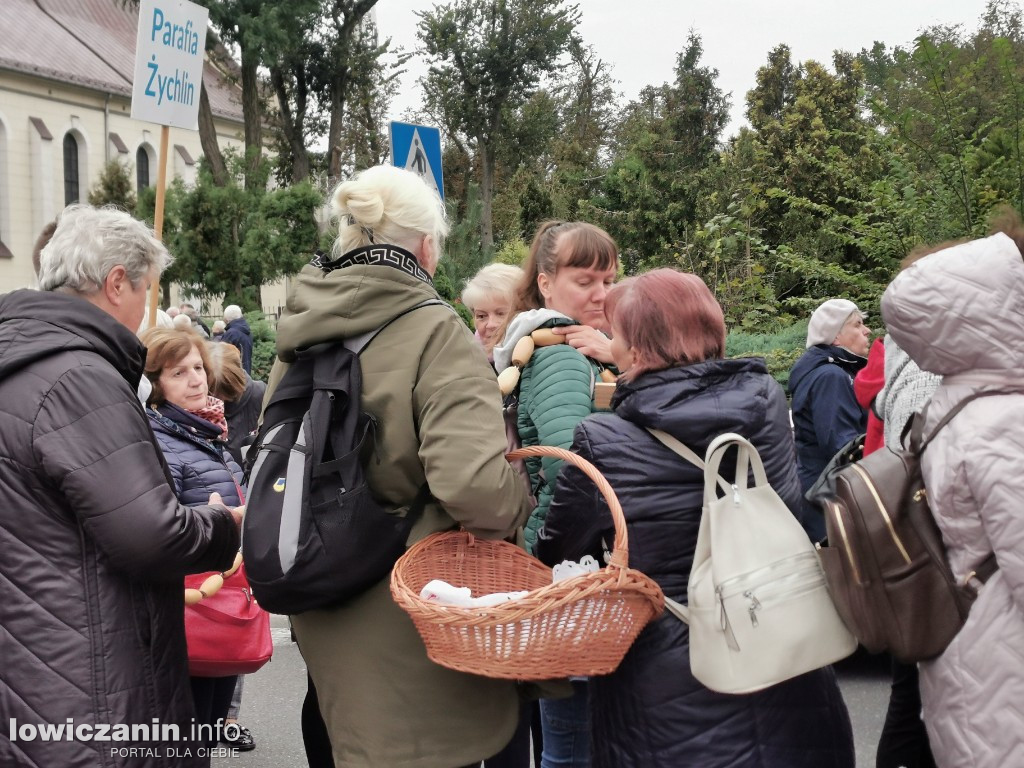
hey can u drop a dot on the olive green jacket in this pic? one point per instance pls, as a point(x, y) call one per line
point(428, 384)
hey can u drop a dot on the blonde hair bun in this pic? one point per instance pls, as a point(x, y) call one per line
point(385, 204)
point(365, 206)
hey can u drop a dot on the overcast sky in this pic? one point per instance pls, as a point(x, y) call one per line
point(640, 38)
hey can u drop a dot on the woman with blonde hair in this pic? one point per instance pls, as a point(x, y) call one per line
point(243, 401)
point(489, 294)
point(440, 444)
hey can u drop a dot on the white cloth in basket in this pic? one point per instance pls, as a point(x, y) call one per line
point(568, 569)
point(439, 591)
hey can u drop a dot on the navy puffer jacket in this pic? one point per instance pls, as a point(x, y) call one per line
point(237, 332)
point(826, 416)
point(651, 712)
point(199, 463)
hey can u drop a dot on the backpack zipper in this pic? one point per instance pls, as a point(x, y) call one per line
point(781, 569)
point(883, 510)
point(838, 515)
point(791, 578)
point(788, 588)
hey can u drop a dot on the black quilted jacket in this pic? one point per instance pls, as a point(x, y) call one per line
point(93, 543)
point(651, 712)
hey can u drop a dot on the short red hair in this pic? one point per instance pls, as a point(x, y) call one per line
point(669, 318)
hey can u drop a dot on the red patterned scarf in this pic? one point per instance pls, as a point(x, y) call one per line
point(213, 412)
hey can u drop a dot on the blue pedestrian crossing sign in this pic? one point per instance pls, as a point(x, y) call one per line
point(417, 148)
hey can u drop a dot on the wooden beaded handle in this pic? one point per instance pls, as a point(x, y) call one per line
point(212, 584)
point(620, 547)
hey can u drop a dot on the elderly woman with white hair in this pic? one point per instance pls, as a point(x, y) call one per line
point(440, 447)
point(181, 323)
point(95, 541)
point(238, 334)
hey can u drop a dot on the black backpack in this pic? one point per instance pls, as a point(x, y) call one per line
point(313, 536)
point(884, 559)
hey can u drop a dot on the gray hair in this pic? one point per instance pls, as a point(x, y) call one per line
point(385, 204)
point(182, 323)
point(89, 242)
point(232, 312)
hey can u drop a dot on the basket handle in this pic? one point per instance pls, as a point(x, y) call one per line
point(620, 547)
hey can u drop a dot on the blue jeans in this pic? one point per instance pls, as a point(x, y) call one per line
point(565, 724)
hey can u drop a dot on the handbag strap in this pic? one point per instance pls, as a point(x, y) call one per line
point(916, 422)
point(677, 609)
point(680, 448)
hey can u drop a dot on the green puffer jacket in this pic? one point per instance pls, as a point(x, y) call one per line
point(556, 392)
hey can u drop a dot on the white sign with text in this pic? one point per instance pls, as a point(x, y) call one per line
point(169, 62)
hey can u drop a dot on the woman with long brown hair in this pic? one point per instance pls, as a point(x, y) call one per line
point(567, 276)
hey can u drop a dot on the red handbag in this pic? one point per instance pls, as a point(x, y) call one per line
point(228, 633)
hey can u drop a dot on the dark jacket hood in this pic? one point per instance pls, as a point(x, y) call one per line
point(824, 354)
point(37, 324)
point(652, 400)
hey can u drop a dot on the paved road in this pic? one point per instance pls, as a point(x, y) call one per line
point(273, 698)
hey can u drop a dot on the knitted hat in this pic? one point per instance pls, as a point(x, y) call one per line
point(828, 320)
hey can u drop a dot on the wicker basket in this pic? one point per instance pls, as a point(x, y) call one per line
point(579, 626)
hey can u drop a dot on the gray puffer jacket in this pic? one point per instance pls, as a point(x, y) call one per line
point(93, 543)
point(960, 313)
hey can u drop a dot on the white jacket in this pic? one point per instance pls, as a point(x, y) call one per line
point(960, 313)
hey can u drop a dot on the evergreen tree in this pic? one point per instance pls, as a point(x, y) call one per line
point(114, 187)
point(487, 58)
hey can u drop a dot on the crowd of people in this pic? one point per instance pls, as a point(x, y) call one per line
point(122, 475)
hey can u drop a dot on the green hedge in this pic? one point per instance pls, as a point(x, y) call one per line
point(780, 350)
point(264, 344)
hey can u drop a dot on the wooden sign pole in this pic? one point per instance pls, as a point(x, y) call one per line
point(158, 216)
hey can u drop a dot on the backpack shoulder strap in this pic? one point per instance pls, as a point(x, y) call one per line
point(358, 343)
point(988, 566)
point(681, 449)
point(917, 426)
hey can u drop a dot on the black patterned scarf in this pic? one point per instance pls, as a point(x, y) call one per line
point(373, 255)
